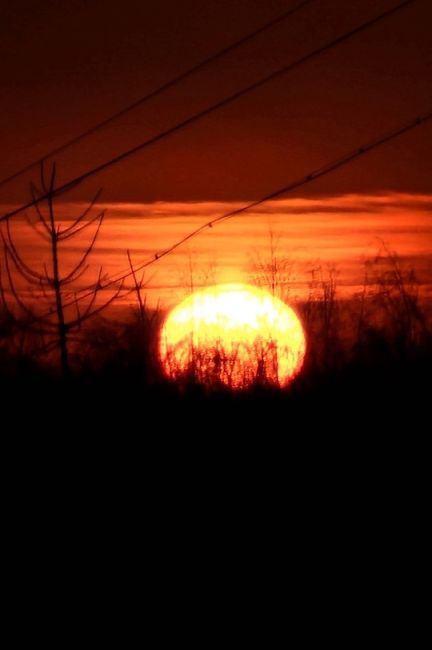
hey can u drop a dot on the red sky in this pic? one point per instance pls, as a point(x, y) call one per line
point(341, 232)
point(66, 65)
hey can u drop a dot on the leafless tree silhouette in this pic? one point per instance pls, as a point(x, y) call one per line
point(54, 287)
point(273, 269)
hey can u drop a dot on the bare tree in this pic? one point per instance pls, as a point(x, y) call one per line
point(67, 308)
point(393, 303)
point(196, 272)
point(272, 270)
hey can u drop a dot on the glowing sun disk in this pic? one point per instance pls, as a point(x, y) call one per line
point(235, 335)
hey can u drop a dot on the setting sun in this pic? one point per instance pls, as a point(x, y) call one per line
point(233, 335)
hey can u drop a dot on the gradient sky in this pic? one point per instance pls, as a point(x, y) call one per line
point(64, 65)
point(332, 232)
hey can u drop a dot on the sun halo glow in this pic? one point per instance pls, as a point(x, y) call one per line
point(233, 335)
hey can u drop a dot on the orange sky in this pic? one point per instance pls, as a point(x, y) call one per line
point(342, 231)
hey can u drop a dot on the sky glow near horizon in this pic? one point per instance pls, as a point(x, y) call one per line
point(340, 232)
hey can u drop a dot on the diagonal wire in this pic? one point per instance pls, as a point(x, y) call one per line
point(324, 170)
point(207, 111)
point(159, 90)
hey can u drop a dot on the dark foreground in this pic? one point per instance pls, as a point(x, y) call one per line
point(333, 470)
point(387, 400)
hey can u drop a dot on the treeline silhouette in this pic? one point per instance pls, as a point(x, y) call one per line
point(66, 355)
point(367, 364)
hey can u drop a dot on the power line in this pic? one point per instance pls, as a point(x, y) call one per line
point(326, 169)
point(207, 111)
point(160, 89)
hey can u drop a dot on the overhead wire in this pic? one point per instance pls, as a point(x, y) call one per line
point(212, 108)
point(175, 81)
point(306, 179)
point(296, 184)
